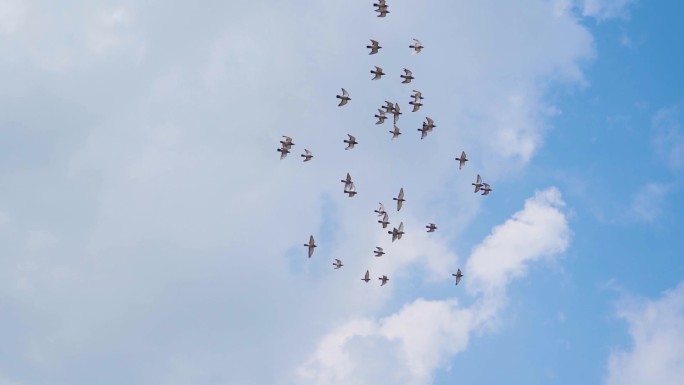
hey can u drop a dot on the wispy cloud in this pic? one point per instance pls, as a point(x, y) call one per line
point(668, 138)
point(656, 354)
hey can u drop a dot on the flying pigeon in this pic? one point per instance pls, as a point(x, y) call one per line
point(377, 72)
point(407, 76)
point(430, 124)
point(350, 189)
point(337, 264)
point(379, 252)
point(416, 105)
point(431, 228)
point(458, 276)
point(478, 183)
point(417, 47)
point(287, 143)
point(283, 152)
point(382, 10)
point(395, 133)
point(423, 131)
point(462, 160)
point(385, 220)
point(381, 211)
point(366, 277)
point(350, 142)
point(311, 245)
point(347, 181)
point(389, 107)
point(400, 199)
point(374, 47)
point(418, 95)
point(396, 111)
point(381, 117)
point(384, 280)
point(344, 98)
point(307, 155)
point(397, 232)
point(486, 189)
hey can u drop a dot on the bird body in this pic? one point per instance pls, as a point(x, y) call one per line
point(396, 111)
point(385, 220)
point(374, 47)
point(458, 276)
point(461, 160)
point(400, 199)
point(366, 277)
point(283, 152)
point(344, 98)
point(377, 72)
point(378, 252)
point(350, 142)
point(337, 264)
point(407, 76)
point(478, 183)
point(431, 227)
point(311, 245)
point(384, 280)
point(381, 116)
point(486, 189)
point(395, 133)
point(397, 232)
point(417, 47)
point(307, 155)
point(380, 211)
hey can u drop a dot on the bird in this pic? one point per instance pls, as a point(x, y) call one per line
point(344, 98)
point(400, 199)
point(486, 189)
point(283, 152)
point(397, 232)
point(478, 183)
point(417, 47)
point(430, 124)
point(350, 189)
point(431, 227)
point(416, 105)
point(458, 276)
point(374, 47)
point(378, 252)
point(389, 106)
point(418, 95)
point(307, 155)
point(287, 143)
point(381, 117)
point(395, 133)
point(385, 220)
point(381, 211)
point(382, 9)
point(462, 160)
point(311, 245)
point(377, 72)
point(384, 280)
point(337, 264)
point(407, 76)
point(396, 111)
point(346, 181)
point(423, 131)
point(366, 277)
point(350, 142)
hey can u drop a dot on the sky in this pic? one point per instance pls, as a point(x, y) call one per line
point(150, 234)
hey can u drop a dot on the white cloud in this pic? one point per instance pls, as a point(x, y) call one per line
point(424, 335)
point(606, 9)
point(656, 355)
point(647, 203)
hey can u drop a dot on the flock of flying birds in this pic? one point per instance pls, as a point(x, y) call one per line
point(394, 110)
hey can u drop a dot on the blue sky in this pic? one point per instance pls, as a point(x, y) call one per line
point(149, 234)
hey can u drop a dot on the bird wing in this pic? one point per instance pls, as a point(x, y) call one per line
point(379, 248)
point(401, 193)
point(430, 121)
point(463, 155)
point(401, 227)
point(479, 179)
point(374, 42)
point(385, 217)
point(407, 72)
point(367, 275)
point(344, 92)
point(382, 208)
point(417, 41)
point(307, 152)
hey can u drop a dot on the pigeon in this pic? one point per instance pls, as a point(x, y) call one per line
point(418, 95)
point(397, 232)
point(423, 131)
point(382, 10)
point(458, 276)
point(381, 117)
point(431, 227)
point(307, 155)
point(344, 98)
point(337, 264)
point(350, 142)
point(374, 47)
point(478, 183)
point(395, 133)
point(379, 252)
point(350, 189)
point(381, 211)
point(287, 143)
point(311, 245)
point(385, 220)
point(486, 189)
point(346, 181)
point(462, 160)
point(283, 152)
point(389, 106)
point(377, 72)
point(396, 111)
point(400, 199)
point(384, 280)
point(430, 124)
point(417, 47)
point(416, 105)
point(407, 76)
point(366, 277)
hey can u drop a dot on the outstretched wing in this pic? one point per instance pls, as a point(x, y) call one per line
point(344, 92)
point(401, 193)
point(401, 227)
point(479, 179)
